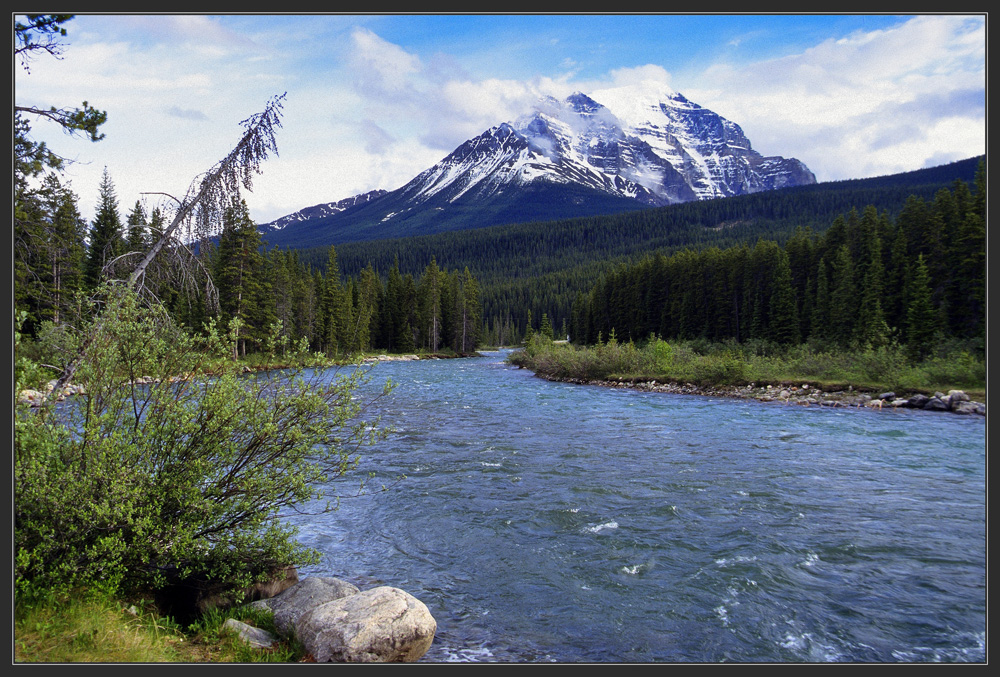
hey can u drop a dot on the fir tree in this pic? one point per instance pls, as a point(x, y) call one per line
point(921, 316)
point(239, 272)
point(106, 241)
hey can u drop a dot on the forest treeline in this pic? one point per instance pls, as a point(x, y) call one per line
point(868, 280)
point(542, 267)
point(59, 259)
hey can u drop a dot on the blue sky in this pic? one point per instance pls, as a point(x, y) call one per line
point(372, 100)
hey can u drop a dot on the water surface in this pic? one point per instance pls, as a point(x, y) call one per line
point(545, 521)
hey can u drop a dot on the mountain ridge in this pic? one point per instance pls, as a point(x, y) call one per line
point(647, 147)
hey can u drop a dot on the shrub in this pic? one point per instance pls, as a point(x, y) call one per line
point(147, 476)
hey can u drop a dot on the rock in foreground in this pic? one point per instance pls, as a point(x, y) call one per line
point(338, 623)
point(381, 625)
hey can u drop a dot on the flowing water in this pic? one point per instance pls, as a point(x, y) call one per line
point(544, 522)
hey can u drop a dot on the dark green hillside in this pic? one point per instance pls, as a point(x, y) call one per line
point(542, 266)
point(535, 202)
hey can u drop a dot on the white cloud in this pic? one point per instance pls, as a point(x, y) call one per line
point(363, 112)
point(864, 105)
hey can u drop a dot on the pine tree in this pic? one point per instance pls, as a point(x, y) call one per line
point(843, 297)
point(429, 307)
point(106, 241)
point(871, 329)
point(336, 308)
point(545, 328)
point(239, 273)
point(66, 250)
point(784, 318)
point(137, 238)
point(921, 316)
point(820, 323)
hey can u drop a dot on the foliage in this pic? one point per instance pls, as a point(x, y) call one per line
point(842, 288)
point(41, 34)
point(147, 477)
point(727, 363)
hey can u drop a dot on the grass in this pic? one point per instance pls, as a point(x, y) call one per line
point(727, 364)
point(84, 628)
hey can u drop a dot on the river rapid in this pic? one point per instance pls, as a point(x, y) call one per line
point(552, 522)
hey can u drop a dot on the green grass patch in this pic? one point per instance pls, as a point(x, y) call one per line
point(728, 364)
point(92, 628)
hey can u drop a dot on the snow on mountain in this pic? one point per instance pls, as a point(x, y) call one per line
point(321, 210)
point(643, 142)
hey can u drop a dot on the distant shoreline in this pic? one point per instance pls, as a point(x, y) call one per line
point(804, 394)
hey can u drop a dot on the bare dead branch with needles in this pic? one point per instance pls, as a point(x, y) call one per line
point(199, 213)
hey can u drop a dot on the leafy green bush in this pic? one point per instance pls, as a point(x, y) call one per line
point(726, 368)
point(148, 475)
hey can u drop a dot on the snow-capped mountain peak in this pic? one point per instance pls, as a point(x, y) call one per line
point(642, 143)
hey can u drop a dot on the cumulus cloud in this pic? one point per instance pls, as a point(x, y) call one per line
point(381, 68)
point(871, 102)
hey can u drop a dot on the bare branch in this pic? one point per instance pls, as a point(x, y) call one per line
point(206, 199)
point(205, 202)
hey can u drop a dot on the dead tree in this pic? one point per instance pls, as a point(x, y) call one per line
point(201, 208)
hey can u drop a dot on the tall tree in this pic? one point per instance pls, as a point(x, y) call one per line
point(106, 240)
point(783, 326)
point(239, 271)
point(429, 295)
point(921, 316)
point(871, 329)
point(136, 229)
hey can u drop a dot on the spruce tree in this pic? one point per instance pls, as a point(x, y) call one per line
point(239, 277)
point(921, 316)
point(106, 241)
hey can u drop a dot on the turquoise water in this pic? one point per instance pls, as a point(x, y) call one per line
point(554, 522)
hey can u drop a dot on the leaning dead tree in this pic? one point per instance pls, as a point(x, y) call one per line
point(200, 211)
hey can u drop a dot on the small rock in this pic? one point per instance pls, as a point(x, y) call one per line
point(935, 404)
point(255, 637)
point(887, 396)
point(32, 397)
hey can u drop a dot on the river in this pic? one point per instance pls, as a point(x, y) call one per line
point(551, 522)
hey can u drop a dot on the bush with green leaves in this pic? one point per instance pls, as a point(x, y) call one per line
point(148, 475)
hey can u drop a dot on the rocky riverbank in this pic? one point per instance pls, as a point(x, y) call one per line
point(804, 394)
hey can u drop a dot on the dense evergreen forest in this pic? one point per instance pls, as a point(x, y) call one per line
point(543, 267)
point(393, 295)
point(869, 280)
point(59, 259)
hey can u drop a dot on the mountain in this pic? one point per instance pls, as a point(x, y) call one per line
point(621, 149)
point(321, 211)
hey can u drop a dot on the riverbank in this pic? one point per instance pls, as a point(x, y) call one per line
point(805, 394)
point(876, 379)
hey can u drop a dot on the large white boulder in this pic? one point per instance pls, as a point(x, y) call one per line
point(381, 625)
